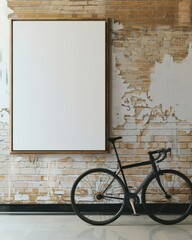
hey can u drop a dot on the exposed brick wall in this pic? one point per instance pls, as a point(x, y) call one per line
point(62, 8)
point(142, 33)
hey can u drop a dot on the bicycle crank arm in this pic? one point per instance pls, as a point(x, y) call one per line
point(104, 196)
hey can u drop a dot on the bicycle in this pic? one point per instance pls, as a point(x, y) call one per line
point(99, 195)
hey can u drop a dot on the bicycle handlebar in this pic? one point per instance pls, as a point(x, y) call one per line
point(162, 154)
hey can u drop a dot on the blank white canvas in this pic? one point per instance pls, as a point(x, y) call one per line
point(58, 85)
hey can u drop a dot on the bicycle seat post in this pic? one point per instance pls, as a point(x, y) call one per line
point(112, 140)
point(131, 200)
point(117, 156)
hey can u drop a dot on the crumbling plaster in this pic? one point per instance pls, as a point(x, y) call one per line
point(171, 86)
point(146, 119)
point(4, 61)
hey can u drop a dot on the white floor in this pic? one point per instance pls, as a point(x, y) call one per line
point(63, 227)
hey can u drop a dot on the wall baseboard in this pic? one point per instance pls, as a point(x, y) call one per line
point(36, 208)
point(48, 209)
point(65, 209)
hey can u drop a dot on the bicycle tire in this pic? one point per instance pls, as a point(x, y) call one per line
point(164, 210)
point(87, 200)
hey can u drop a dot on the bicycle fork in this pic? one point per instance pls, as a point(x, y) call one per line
point(157, 171)
point(168, 196)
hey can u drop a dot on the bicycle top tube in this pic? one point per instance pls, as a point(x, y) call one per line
point(162, 154)
point(136, 164)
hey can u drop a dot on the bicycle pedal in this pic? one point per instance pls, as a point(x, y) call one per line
point(135, 214)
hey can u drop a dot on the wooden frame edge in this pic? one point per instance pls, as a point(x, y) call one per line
point(11, 82)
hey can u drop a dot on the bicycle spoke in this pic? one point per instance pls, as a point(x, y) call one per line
point(174, 207)
point(99, 209)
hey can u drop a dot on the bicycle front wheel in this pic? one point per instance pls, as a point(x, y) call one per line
point(98, 196)
point(173, 207)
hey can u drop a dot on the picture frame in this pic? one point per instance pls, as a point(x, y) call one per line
point(59, 86)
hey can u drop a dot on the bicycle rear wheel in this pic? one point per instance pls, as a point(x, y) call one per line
point(176, 206)
point(98, 196)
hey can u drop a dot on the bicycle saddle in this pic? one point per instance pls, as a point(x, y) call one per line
point(112, 140)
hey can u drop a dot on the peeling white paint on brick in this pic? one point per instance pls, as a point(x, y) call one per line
point(144, 115)
point(55, 172)
point(60, 192)
point(4, 61)
point(49, 190)
point(18, 159)
point(21, 197)
point(117, 26)
point(119, 87)
point(43, 198)
point(171, 86)
point(9, 168)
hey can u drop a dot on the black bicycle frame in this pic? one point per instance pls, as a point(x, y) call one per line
point(153, 171)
